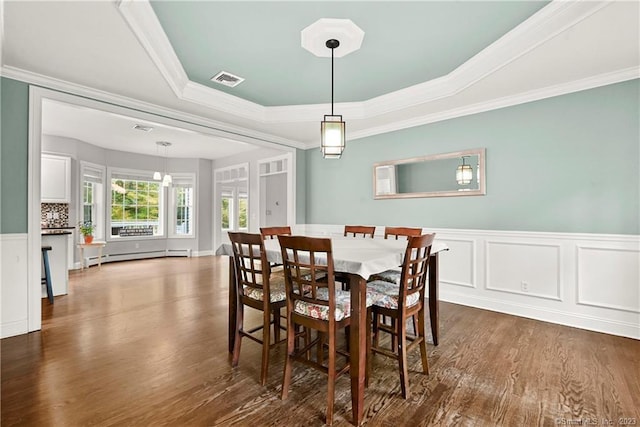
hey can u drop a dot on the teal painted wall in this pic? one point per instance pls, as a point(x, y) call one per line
point(565, 164)
point(14, 156)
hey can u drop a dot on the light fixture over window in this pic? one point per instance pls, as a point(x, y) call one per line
point(464, 173)
point(166, 180)
point(332, 128)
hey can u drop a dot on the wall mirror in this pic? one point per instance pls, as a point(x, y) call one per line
point(461, 173)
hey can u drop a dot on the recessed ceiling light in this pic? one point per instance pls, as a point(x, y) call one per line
point(227, 79)
point(143, 128)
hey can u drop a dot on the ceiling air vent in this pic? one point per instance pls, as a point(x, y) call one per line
point(143, 128)
point(227, 79)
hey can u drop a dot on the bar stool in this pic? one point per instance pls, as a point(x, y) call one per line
point(47, 272)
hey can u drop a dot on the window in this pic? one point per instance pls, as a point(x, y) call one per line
point(136, 205)
point(92, 197)
point(243, 202)
point(234, 210)
point(226, 213)
point(182, 206)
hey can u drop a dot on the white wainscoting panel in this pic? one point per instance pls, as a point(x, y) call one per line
point(13, 282)
point(609, 277)
point(588, 281)
point(531, 269)
point(459, 265)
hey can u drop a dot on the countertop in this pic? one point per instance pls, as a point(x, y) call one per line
point(55, 231)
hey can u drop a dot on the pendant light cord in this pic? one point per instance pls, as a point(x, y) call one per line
point(332, 81)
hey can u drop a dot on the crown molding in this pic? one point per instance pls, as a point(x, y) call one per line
point(143, 22)
point(508, 101)
point(541, 27)
point(544, 25)
point(224, 129)
point(547, 23)
point(222, 101)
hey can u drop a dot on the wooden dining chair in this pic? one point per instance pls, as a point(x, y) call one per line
point(359, 230)
point(258, 289)
point(354, 231)
point(397, 232)
point(314, 304)
point(393, 275)
point(401, 302)
point(274, 232)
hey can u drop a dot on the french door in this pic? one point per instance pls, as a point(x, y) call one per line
point(231, 204)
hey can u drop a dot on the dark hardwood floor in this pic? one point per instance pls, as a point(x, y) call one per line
point(144, 343)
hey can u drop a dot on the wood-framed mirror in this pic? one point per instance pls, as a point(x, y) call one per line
point(460, 173)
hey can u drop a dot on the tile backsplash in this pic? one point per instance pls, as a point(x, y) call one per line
point(54, 214)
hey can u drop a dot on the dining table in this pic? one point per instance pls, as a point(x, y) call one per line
point(358, 259)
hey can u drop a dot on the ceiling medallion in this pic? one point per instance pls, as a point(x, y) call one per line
point(315, 36)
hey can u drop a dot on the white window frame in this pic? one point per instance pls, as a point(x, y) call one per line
point(99, 210)
point(162, 214)
point(181, 179)
point(227, 179)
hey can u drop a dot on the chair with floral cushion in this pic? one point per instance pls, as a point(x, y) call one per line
point(393, 275)
point(315, 304)
point(256, 288)
point(401, 302)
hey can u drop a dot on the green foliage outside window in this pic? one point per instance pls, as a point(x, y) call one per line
point(135, 202)
point(225, 212)
point(242, 213)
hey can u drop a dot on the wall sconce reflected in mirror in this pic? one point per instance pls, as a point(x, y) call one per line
point(464, 173)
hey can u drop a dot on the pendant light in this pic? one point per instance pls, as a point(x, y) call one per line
point(166, 180)
point(464, 173)
point(332, 128)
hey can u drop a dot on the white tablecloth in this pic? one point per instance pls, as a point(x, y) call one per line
point(360, 256)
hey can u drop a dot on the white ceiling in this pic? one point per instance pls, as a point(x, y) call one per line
point(116, 132)
point(117, 52)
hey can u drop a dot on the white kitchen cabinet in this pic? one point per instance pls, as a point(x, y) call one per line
point(55, 183)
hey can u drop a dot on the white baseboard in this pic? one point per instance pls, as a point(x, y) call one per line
point(179, 252)
point(560, 317)
point(17, 327)
point(202, 253)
